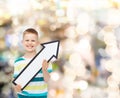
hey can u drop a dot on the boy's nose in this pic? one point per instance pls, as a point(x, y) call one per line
point(29, 42)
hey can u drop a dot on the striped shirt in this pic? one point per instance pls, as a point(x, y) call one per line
point(37, 86)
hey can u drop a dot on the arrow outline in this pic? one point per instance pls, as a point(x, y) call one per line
point(43, 47)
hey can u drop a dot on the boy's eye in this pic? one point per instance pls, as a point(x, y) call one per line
point(33, 40)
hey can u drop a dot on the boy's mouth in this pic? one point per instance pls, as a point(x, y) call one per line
point(29, 47)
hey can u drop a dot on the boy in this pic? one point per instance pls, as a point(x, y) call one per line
point(37, 88)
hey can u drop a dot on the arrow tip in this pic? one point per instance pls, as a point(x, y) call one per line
point(53, 47)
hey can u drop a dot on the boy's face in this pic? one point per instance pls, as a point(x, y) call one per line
point(30, 42)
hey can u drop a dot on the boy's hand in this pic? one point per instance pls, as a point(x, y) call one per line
point(17, 88)
point(45, 72)
point(44, 65)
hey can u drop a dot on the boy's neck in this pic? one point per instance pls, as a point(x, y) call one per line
point(29, 54)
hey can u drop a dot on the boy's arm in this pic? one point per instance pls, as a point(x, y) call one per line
point(17, 88)
point(46, 74)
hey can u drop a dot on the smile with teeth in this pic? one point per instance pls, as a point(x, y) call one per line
point(30, 47)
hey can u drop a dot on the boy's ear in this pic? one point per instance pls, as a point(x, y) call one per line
point(38, 42)
point(22, 41)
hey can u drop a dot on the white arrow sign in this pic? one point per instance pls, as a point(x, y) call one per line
point(48, 52)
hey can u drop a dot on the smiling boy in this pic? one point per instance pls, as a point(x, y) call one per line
point(37, 88)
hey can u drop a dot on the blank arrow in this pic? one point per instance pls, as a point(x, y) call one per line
point(48, 52)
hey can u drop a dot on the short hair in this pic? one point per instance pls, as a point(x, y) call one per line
point(30, 30)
